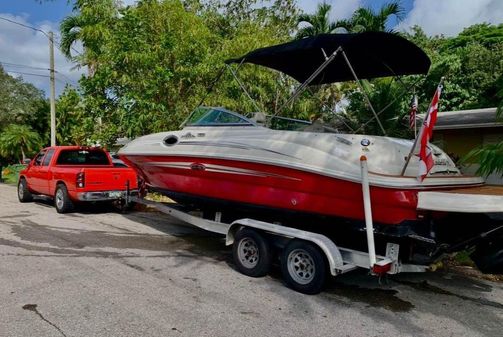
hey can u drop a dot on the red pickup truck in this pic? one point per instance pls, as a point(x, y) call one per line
point(72, 174)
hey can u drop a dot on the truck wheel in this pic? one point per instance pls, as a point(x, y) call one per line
point(23, 193)
point(251, 253)
point(62, 200)
point(303, 267)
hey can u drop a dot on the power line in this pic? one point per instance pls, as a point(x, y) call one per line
point(17, 65)
point(66, 77)
point(38, 30)
point(29, 74)
point(24, 25)
point(38, 75)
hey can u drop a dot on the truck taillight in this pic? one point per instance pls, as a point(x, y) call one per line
point(81, 179)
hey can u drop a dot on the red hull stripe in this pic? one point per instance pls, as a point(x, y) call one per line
point(274, 186)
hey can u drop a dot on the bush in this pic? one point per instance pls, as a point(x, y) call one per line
point(10, 174)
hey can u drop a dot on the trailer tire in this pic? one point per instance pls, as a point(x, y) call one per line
point(251, 253)
point(23, 193)
point(303, 267)
point(62, 200)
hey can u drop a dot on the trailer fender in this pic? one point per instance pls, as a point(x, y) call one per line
point(326, 245)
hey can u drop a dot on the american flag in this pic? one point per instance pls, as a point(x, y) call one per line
point(425, 154)
point(413, 112)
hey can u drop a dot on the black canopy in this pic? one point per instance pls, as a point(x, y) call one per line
point(372, 54)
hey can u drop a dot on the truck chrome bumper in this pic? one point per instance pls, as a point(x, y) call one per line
point(104, 195)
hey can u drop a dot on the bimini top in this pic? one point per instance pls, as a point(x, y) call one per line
point(372, 54)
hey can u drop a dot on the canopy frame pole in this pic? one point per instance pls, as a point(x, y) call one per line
point(301, 87)
point(364, 92)
point(389, 104)
point(234, 74)
point(335, 113)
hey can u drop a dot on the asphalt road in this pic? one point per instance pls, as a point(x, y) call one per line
point(144, 274)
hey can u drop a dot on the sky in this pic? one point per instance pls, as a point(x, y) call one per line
point(23, 50)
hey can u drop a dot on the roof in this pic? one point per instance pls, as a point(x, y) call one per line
point(466, 119)
point(371, 54)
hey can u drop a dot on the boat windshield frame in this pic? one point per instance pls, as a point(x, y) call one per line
point(208, 115)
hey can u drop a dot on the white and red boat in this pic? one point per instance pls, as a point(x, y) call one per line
point(223, 160)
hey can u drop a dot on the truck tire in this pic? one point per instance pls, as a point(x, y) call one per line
point(303, 267)
point(252, 253)
point(62, 200)
point(23, 193)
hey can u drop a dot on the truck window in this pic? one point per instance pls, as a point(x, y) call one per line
point(38, 159)
point(82, 157)
point(48, 157)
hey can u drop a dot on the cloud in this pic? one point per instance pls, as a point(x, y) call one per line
point(23, 50)
point(343, 9)
point(449, 17)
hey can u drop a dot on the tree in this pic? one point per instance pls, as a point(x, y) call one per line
point(72, 124)
point(365, 19)
point(22, 103)
point(90, 25)
point(159, 58)
point(317, 23)
point(18, 141)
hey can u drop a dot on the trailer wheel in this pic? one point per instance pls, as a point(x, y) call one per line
point(62, 200)
point(23, 193)
point(251, 253)
point(303, 267)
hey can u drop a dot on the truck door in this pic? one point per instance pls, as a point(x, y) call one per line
point(45, 173)
point(33, 178)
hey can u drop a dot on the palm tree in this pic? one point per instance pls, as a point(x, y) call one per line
point(367, 20)
point(89, 25)
point(18, 140)
point(317, 23)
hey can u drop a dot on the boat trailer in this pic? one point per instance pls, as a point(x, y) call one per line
point(304, 255)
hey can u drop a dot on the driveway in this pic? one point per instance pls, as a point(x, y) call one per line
point(101, 273)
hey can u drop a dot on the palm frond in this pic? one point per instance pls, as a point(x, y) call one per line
point(489, 157)
point(69, 28)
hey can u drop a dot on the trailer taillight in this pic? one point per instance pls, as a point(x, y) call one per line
point(81, 179)
point(381, 268)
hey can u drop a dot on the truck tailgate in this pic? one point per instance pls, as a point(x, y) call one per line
point(108, 179)
point(480, 199)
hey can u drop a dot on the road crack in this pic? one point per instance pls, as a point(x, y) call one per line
point(33, 307)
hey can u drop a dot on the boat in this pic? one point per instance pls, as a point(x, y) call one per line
point(224, 161)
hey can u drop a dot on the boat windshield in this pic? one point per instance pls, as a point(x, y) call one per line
point(204, 116)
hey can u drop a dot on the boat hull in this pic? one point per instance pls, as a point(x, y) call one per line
point(274, 187)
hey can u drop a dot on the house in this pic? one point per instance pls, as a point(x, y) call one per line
point(459, 132)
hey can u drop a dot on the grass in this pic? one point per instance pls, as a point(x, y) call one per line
point(10, 173)
point(463, 259)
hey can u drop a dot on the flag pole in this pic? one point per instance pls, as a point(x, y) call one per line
point(420, 132)
point(415, 114)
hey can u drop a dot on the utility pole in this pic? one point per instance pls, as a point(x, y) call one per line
point(53, 89)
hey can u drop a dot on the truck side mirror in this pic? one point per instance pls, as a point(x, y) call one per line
point(27, 161)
